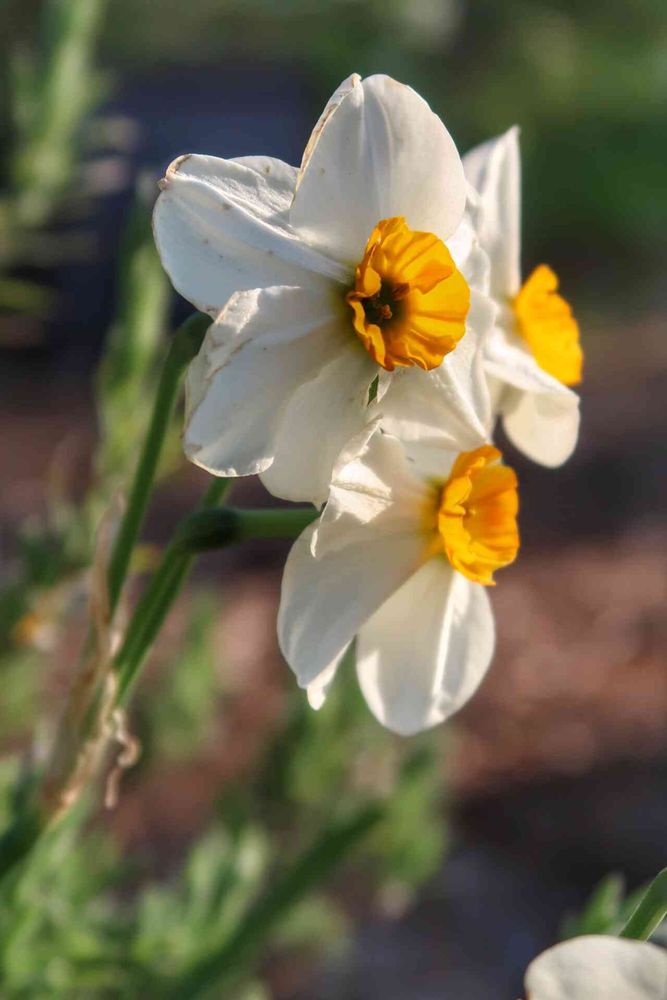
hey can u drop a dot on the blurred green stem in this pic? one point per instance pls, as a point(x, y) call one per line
point(208, 528)
point(157, 599)
point(22, 834)
point(29, 821)
point(650, 911)
point(184, 346)
point(333, 845)
point(213, 529)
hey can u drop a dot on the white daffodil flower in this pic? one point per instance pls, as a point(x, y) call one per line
point(596, 967)
point(533, 352)
point(400, 557)
point(327, 284)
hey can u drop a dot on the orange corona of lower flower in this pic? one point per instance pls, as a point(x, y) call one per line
point(546, 323)
point(409, 301)
point(477, 513)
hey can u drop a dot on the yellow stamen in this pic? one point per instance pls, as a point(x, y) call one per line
point(409, 301)
point(476, 516)
point(546, 323)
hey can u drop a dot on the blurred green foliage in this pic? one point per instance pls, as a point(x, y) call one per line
point(606, 911)
point(135, 345)
point(54, 550)
point(79, 920)
point(54, 89)
point(180, 722)
point(51, 85)
point(342, 749)
point(641, 914)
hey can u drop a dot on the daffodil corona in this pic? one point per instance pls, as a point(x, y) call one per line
point(532, 354)
point(323, 282)
point(477, 512)
point(409, 301)
point(400, 559)
point(546, 325)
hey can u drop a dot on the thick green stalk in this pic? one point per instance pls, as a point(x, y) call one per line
point(158, 598)
point(184, 346)
point(650, 911)
point(213, 529)
point(208, 528)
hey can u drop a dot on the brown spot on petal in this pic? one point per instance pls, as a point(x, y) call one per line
point(175, 166)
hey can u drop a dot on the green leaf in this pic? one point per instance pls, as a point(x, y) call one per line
point(650, 911)
point(329, 849)
point(601, 915)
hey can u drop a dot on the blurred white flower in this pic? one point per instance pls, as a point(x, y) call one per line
point(533, 352)
point(596, 967)
point(399, 559)
point(326, 284)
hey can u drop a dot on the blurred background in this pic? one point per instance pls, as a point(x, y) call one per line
point(499, 826)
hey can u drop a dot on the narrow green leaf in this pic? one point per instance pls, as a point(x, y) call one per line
point(650, 912)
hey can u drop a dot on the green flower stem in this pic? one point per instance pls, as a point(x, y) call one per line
point(213, 529)
point(19, 838)
point(184, 346)
point(332, 846)
point(158, 597)
point(208, 528)
point(650, 911)
point(28, 823)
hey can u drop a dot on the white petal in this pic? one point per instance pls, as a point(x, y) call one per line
point(424, 653)
point(265, 343)
point(450, 403)
point(494, 169)
point(598, 968)
point(540, 414)
point(321, 416)
point(318, 689)
point(379, 151)
point(465, 246)
point(222, 225)
point(544, 426)
point(325, 600)
point(341, 92)
point(375, 488)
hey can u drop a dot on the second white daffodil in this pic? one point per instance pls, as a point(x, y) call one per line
point(330, 287)
point(533, 354)
point(400, 559)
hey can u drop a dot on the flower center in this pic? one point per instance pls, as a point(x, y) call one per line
point(476, 516)
point(409, 301)
point(546, 324)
